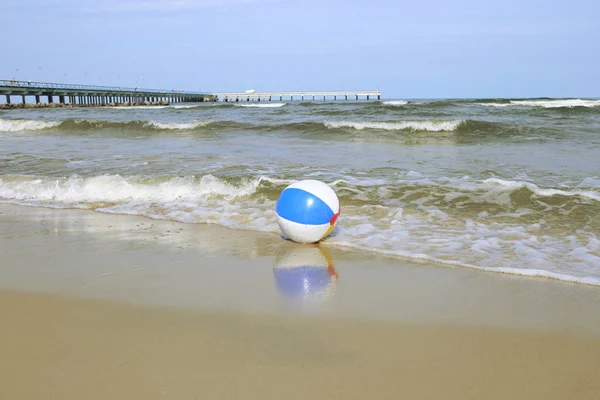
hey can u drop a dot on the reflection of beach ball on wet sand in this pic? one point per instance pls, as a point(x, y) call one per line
point(307, 211)
point(305, 273)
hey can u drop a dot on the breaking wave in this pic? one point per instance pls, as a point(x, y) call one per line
point(549, 103)
point(178, 125)
point(39, 125)
point(395, 103)
point(430, 126)
point(415, 217)
point(495, 225)
point(463, 127)
point(16, 125)
point(262, 105)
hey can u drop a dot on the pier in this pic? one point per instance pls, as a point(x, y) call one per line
point(17, 94)
point(90, 95)
point(302, 96)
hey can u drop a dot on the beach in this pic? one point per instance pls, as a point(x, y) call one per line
point(140, 255)
point(102, 306)
point(284, 200)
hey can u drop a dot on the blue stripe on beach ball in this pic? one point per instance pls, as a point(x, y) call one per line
point(302, 207)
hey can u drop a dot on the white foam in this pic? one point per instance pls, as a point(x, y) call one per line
point(118, 189)
point(430, 126)
point(405, 223)
point(263, 105)
point(178, 125)
point(512, 185)
point(16, 125)
point(531, 272)
point(547, 103)
point(558, 103)
point(495, 104)
point(490, 246)
point(395, 103)
point(183, 106)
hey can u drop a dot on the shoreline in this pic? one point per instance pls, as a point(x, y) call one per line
point(104, 306)
point(542, 274)
point(138, 260)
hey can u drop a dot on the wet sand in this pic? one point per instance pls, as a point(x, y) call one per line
point(61, 348)
point(98, 306)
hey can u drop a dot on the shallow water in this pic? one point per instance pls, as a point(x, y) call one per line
point(504, 185)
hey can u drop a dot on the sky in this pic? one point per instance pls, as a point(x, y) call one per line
point(407, 49)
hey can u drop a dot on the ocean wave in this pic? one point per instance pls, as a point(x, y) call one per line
point(430, 126)
point(463, 129)
point(510, 195)
point(262, 105)
point(116, 189)
point(85, 124)
point(495, 225)
point(513, 186)
point(184, 106)
point(395, 103)
point(16, 125)
point(321, 103)
point(413, 104)
point(82, 125)
point(178, 125)
point(445, 192)
point(550, 103)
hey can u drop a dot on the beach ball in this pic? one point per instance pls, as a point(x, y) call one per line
point(307, 211)
point(305, 273)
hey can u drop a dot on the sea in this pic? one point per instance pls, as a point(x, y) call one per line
point(499, 185)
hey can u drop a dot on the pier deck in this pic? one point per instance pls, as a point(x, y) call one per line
point(90, 95)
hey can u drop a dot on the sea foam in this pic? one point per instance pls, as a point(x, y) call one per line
point(431, 126)
point(559, 103)
point(16, 125)
point(262, 105)
point(413, 216)
point(395, 103)
point(178, 125)
point(510, 186)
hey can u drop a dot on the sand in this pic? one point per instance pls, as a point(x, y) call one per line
point(98, 306)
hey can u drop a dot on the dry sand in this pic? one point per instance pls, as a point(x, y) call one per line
point(100, 306)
